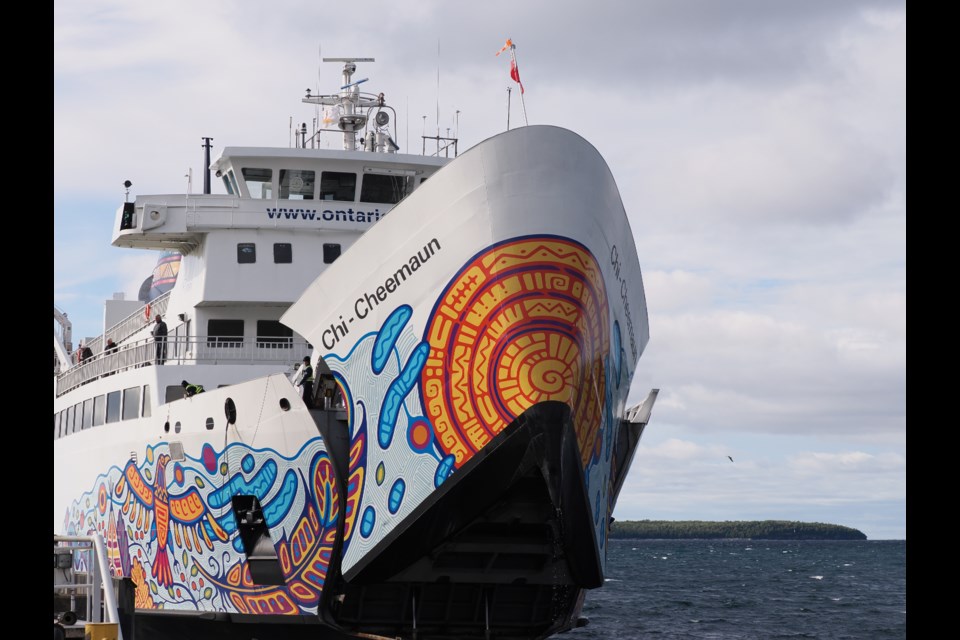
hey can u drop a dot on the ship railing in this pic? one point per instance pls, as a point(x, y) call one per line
point(132, 323)
point(136, 321)
point(81, 567)
point(219, 350)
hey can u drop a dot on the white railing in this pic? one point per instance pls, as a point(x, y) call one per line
point(219, 350)
point(94, 567)
point(135, 321)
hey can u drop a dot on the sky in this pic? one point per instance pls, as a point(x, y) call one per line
point(760, 152)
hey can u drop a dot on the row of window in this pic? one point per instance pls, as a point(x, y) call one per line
point(128, 404)
point(301, 184)
point(283, 252)
point(271, 334)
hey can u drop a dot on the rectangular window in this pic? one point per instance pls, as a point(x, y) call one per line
point(259, 182)
point(273, 335)
point(146, 401)
point(331, 251)
point(131, 403)
point(228, 185)
point(225, 333)
point(385, 189)
point(282, 252)
point(296, 184)
point(87, 414)
point(70, 419)
point(233, 181)
point(99, 410)
point(113, 406)
point(246, 253)
point(335, 185)
point(174, 392)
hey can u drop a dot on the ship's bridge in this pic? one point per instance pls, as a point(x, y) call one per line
point(298, 189)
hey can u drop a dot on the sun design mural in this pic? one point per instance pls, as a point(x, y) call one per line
point(524, 322)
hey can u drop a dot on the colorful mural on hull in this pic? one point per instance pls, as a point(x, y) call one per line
point(523, 321)
point(170, 527)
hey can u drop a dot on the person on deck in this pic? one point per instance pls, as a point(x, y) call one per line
point(159, 334)
point(190, 390)
point(306, 381)
point(85, 353)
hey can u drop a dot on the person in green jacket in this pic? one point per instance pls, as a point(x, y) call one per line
point(190, 390)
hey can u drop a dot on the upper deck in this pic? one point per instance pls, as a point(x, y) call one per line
point(274, 188)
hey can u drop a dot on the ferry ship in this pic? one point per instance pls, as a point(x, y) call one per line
point(474, 320)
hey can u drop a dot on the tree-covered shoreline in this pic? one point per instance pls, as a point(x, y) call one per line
point(741, 529)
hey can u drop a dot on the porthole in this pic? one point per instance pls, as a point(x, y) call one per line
point(176, 427)
point(166, 427)
point(230, 410)
point(209, 424)
point(284, 404)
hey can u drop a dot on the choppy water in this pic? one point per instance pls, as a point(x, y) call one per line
point(746, 590)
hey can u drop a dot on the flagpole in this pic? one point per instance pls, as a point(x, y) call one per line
point(508, 108)
point(523, 106)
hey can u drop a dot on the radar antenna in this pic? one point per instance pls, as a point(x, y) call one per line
point(351, 119)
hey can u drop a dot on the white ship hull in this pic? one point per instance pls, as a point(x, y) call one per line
point(484, 336)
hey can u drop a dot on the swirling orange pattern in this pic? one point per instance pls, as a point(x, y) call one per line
point(524, 322)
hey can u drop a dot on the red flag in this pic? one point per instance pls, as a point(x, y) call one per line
point(515, 74)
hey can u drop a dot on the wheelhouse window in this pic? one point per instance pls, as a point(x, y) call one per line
point(385, 189)
point(224, 333)
point(297, 184)
point(336, 185)
point(246, 253)
point(273, 335)
point(233, 181)
point(131, 403)
point(282, 252)
point(259, 182)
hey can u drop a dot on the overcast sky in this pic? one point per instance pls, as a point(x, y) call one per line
point(760, 151)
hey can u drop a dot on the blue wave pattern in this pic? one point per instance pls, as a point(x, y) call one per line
point(404, 465)
point(206, 484)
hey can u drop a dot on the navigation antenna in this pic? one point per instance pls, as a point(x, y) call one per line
point(351, 119)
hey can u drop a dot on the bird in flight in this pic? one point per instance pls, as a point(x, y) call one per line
point(731, 459)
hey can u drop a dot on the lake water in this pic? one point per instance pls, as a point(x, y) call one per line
point(741, 589)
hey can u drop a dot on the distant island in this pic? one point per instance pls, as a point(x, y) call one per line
point(743, 530)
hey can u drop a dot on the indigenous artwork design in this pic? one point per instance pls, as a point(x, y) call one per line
point(524, 321)
point(170, 527)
